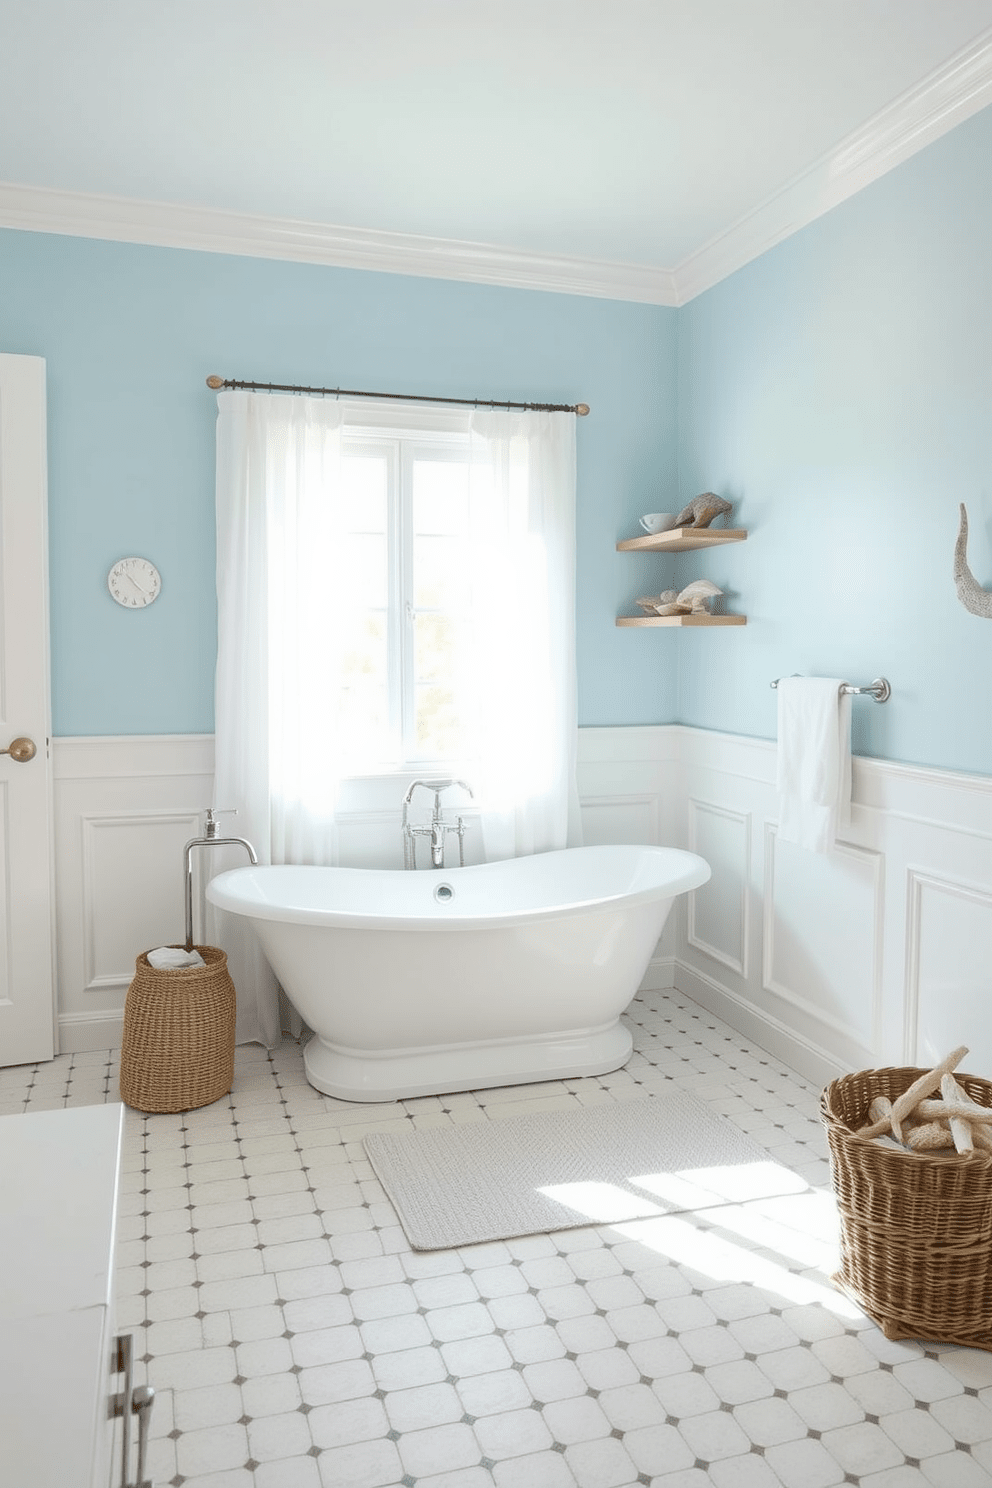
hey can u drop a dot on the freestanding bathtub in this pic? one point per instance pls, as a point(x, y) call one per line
point(420, 982)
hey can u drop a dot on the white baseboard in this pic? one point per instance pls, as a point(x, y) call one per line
point(660, 975)
point(762, 1029)
point(79, 1033)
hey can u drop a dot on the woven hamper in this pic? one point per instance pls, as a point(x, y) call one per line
point(915, 1227)
point(177, 1050)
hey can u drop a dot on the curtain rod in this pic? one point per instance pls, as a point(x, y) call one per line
point(216, 382)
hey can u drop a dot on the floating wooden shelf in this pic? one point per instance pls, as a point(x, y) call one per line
point(682, 539)
point(682, 620)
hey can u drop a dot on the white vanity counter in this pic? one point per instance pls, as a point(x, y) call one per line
point(58, 1203)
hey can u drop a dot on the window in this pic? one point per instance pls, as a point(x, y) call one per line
point(409, 542)
point(395, 592)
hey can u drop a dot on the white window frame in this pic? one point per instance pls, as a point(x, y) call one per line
point(404, 434)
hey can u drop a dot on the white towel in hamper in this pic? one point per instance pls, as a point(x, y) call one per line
point(174, 958)
point(814, 761)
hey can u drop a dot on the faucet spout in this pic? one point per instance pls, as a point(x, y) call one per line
point(436, 828)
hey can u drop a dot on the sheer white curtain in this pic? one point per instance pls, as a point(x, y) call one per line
point(278, 459)
point(283, 623)
point(526, 632)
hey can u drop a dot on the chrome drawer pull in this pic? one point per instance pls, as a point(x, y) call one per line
point(121, 1403)
point(132, 1400)
point(142, 1400)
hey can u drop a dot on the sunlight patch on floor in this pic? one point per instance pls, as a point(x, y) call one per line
point(696, 1188)
point(722, 1260)
point(602, 1203)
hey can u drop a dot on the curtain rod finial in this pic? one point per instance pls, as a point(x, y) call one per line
point(582, 409)
point(215, 381)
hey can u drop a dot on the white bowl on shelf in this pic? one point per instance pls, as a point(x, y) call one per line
point(655, 522)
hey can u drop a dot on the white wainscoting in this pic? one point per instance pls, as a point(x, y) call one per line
point(875, 954)
point(878, 953)
point(628, 781)
point(124, 807)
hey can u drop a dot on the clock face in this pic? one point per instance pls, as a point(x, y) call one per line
point(134, 582)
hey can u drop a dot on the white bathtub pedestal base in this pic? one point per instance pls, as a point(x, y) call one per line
point(396, 1074)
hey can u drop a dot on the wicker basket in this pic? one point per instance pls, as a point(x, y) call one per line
point(177, 1050)
point(916, 1227)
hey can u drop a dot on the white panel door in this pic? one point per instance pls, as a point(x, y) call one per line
point(27, 1021)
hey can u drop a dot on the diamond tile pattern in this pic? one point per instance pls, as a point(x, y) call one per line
point(295, 1341)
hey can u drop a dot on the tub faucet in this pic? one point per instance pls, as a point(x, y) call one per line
point(437, 828)
point(209, 840)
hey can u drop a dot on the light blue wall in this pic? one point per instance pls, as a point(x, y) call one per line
point(130, 333)
point(839, 389)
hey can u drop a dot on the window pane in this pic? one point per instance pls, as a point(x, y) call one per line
point(441, 573)
point(440, 732)
point(360, 571)
point(405, 685)
point(363, 699)
point(434, 648)
point(363, 493)
point(440, 496)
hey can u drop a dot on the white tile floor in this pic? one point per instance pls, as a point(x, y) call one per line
point(295, 1341)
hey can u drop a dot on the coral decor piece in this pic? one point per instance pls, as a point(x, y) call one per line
point(925, 1125)
point(701, 510)
point(970, 592)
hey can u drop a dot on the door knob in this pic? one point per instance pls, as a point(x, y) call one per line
point(21, 750)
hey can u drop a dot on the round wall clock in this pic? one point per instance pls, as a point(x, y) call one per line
point(134, 582)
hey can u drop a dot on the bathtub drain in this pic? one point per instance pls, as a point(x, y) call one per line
point(443, 893)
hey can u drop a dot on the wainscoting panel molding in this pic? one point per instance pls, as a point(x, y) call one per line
point(124, 807)
point(821, 943)
point(628, 780)
point(607, 819)
point(941, 1015)
point(718, 913)
point(135, 860)
point(875, 954)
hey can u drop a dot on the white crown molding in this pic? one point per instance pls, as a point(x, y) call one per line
point(168, 225)
point(951, 94)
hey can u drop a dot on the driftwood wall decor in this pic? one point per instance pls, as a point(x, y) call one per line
point(970, 592)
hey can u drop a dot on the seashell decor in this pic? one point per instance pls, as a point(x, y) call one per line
point(692, 600)
point(695, 595)
point(650, 602)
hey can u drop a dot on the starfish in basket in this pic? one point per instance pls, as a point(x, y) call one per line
point(925, 1125)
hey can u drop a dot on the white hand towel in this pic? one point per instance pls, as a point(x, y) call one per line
point(814, 761)
point(174, 958)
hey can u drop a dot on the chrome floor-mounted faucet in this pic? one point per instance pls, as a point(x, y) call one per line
point(209, 840)
point(437, 828)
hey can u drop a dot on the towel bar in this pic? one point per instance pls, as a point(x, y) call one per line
point(879, 689)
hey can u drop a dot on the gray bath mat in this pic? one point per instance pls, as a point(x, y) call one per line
point(558, 1170)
